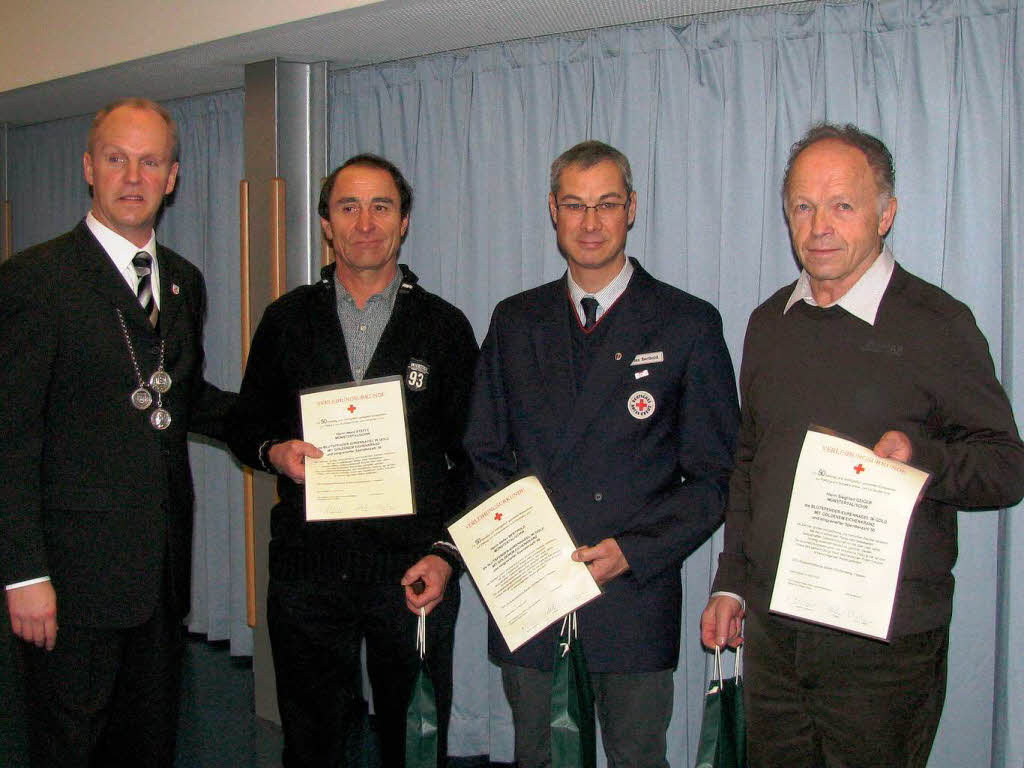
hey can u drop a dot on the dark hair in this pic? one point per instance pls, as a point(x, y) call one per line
point(366, 160)
point(586, 155)
point(875, 152)
point(135, 102)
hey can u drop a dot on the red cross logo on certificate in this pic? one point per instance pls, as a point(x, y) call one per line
point(859, 468)
point(497, 515)
point(351, 409)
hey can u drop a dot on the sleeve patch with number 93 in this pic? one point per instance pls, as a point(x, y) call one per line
point(416, 375)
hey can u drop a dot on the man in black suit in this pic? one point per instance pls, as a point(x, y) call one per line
point(100, 382)
point(617, 391)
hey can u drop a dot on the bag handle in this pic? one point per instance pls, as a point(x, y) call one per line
point(421, 634)
point(717, 672)
point(737, 666)
point(568, 631)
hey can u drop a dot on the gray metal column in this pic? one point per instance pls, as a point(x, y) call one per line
point(285, 138)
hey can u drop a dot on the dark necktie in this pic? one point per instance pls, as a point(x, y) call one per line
point(143, 268)
point(589, 304)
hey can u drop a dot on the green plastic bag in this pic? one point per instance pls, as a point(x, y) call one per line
point(421, 738)
point(573, 738)
point(723, 732)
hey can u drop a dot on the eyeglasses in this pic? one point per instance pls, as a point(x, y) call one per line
point(605, 209)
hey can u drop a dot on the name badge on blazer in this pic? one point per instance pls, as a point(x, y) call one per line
point(649, 357)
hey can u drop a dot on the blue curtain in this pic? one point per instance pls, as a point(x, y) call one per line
point(49, 195)
point(706, 113)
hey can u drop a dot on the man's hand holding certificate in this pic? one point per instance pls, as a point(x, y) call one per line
point(365, 467)
point(519, 553)
point(843, 545)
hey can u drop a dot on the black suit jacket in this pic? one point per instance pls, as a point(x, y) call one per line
point(656, 484)
point(90, 493)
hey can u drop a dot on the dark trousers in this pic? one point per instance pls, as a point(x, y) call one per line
point(822, 699)
point(634, 711)
point(316, 630)
point(106, 697)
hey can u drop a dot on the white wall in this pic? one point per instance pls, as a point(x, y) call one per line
point(46, 40)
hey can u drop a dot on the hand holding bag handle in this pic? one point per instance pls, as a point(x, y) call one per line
point(723, 734)
point(421, 737)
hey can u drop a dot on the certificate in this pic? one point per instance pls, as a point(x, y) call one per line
point(365, 469)
point(519, 553)
point(843, 545)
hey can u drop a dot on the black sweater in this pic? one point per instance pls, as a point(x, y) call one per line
point(298, 345)
point(924, 369)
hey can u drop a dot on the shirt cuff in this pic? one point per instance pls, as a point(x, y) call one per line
point(27, 583)
point(734, 596)
point(447, 552)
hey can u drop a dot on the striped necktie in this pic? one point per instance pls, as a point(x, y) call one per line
point(143, 268)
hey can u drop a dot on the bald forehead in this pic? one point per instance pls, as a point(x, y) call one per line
point(832, 159)
point(133, 117)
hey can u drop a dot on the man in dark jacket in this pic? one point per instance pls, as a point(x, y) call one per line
point(617, 391)
point(100, 382)
point(333, 584)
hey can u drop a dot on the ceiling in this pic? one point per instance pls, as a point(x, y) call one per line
point(384, 31)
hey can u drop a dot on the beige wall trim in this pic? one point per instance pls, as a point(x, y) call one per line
point(6, 233)
point(247, 497)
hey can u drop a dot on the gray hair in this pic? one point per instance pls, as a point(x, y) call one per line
point(875, 152)
point(586, 155)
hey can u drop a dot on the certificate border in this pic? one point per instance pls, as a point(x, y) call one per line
point(482, 499)
point(906, 534)
point(408, 437)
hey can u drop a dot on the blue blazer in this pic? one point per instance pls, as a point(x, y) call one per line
point(654, 477)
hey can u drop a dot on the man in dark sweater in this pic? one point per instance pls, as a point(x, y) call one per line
point(616, 391)
point(858, 345)
point(333, 584)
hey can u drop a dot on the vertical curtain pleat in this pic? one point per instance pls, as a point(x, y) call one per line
point(202, 224)
point(1008, 735)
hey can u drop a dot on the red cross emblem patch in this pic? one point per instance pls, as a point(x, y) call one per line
point(640, 405)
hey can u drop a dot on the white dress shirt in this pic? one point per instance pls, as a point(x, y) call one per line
point(121, 253)
point(605, 297)
point(862, 299)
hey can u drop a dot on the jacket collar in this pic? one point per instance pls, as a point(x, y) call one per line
point(94, 268)
point(636, 322)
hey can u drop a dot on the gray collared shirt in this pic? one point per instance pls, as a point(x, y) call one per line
point(363, 328)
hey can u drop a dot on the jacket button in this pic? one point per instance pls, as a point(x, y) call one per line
point(598, 496)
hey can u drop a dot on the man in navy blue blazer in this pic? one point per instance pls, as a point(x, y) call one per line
point(617, 391)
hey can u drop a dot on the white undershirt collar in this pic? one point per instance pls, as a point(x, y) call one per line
point(863, 299)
